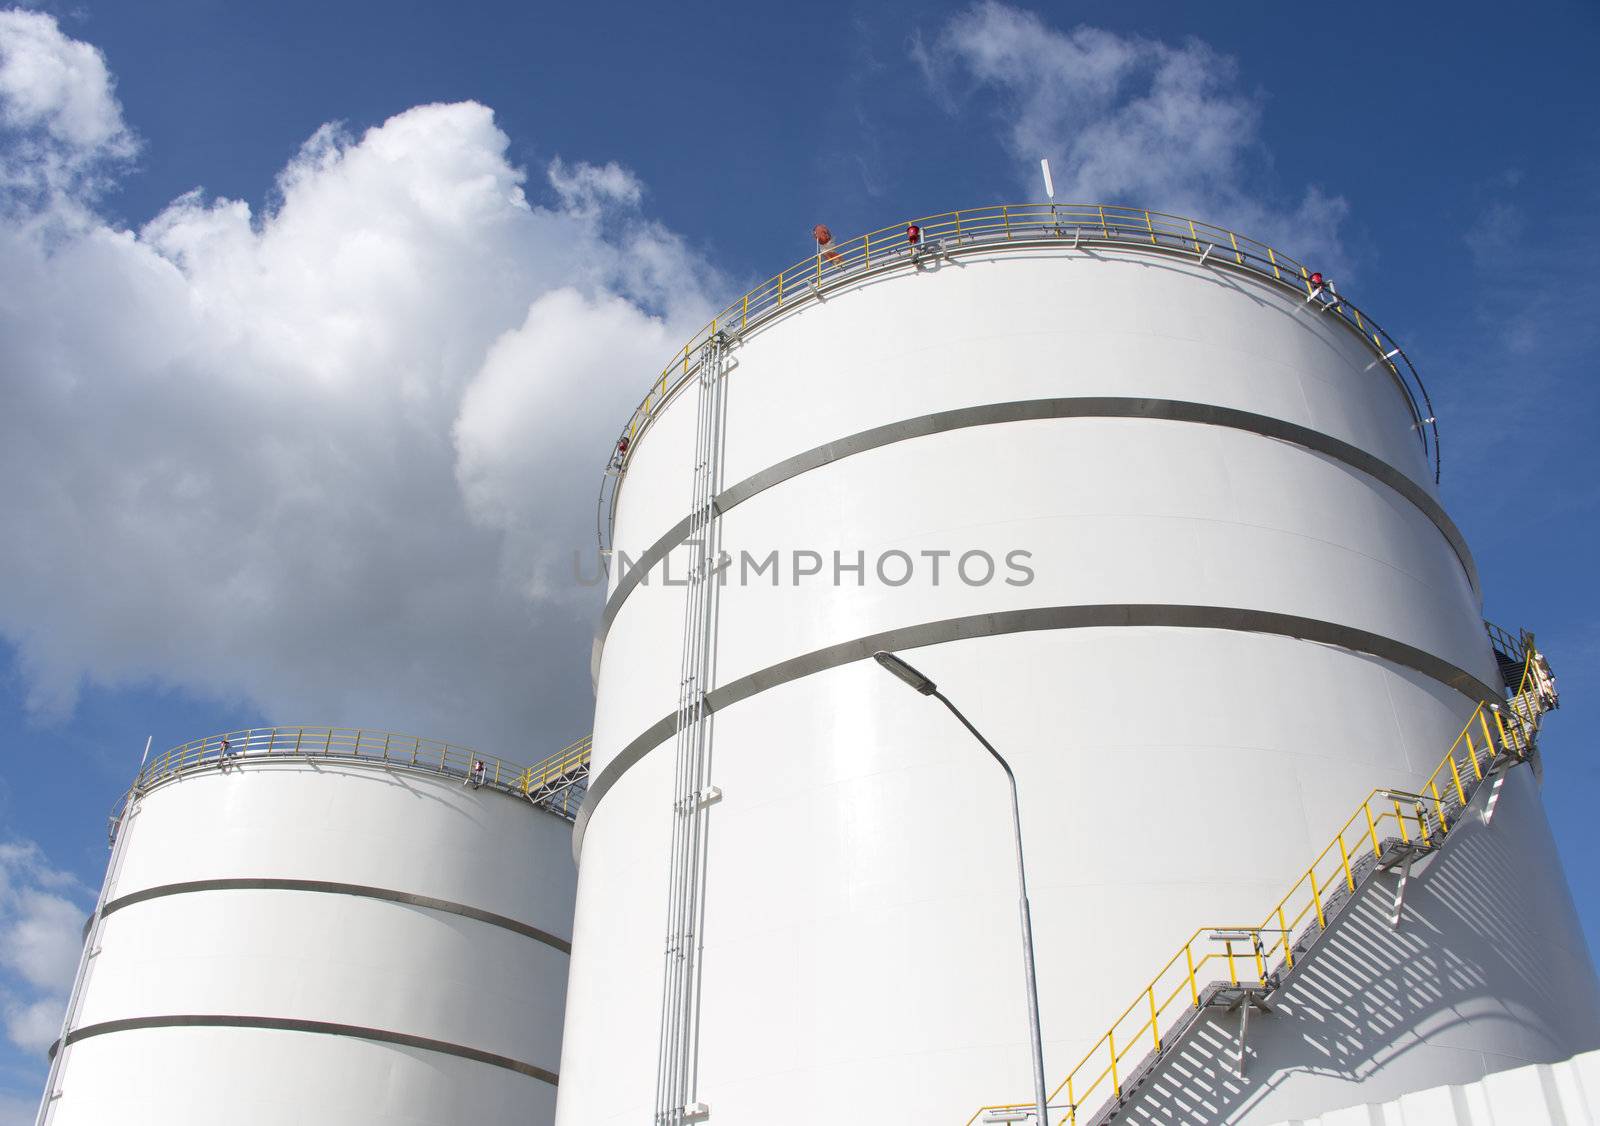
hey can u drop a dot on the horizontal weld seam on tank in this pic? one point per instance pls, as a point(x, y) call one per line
point(322, 1027)
point(647, 563)
point(1233, 618)
point(1033, 410)
point(325, 886)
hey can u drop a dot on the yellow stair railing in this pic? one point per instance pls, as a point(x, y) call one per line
point(1494, 737)
point(559, 782)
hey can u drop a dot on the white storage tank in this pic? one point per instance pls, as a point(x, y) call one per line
point(1160, 515)
point(324, 927)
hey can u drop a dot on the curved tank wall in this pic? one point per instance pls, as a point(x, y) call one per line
point(1244, 609)
point(325, 942)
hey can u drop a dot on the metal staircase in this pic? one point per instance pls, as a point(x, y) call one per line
point(677, 1072)
point(1388, 833)
point(559, 782)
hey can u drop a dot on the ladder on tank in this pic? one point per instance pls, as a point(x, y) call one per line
point(91, 948)
point(677, 1073)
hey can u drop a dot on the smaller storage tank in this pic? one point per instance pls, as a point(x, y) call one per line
point(323, 927)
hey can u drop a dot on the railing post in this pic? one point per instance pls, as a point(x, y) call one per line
point(1155, 1032)
point(1233, 973)
point(866, 251)
point(1316, 897)
point(1372, 828)
point(1005, 215)
point(1344, 858)
point(1400, 820)
point(1456, 777)
point(1111, 1043)
point(1507, 740)
point(1283, 931)
point(1505, 743)
point(1422, 824)
point(1438, 808)
point(1188, 955)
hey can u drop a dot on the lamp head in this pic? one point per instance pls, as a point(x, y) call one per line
point(906, 673)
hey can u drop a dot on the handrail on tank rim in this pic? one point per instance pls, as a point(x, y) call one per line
point(391, 749)
point(1022, 226)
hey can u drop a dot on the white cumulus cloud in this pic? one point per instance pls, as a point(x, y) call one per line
point(1126, 120)
point(585, 187)
point(508, 481)
point(57, 104)
point(40, 938)
point(331, 459)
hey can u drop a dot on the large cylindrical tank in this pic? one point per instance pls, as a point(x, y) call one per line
point(324, 928)
point(1239, 608)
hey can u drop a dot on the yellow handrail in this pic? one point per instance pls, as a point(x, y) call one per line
point(233, 747)
point(559, 765)
point(1025, 226)
point(1428, 813)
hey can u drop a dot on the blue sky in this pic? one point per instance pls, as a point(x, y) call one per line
point(300, 422)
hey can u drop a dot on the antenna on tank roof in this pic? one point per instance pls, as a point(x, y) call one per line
point(148, 739)
point(1050, 190)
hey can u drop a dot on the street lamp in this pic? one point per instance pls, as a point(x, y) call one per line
point(928, 688)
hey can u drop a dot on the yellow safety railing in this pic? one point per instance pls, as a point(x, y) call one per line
point(558, 767)
point(1252, 955)
point(238, 747)
point(1023, 226)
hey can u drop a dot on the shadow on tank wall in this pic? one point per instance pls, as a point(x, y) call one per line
point(1461, 983)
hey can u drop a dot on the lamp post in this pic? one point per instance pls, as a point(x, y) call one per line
point(927, 687)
